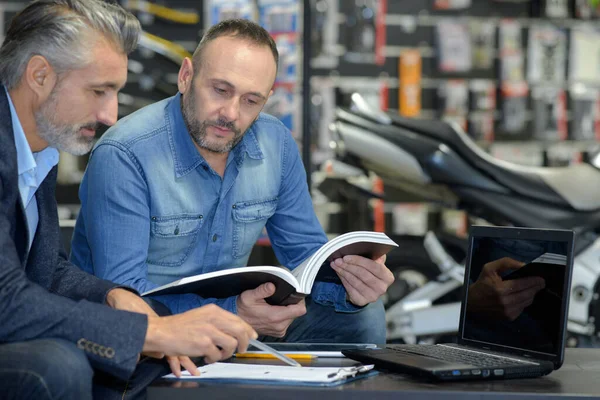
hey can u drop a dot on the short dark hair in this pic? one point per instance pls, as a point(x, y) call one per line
point(238, 28)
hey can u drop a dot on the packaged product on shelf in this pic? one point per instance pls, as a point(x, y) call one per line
point(324, 33)
point(547, 55)
point(510, 35)
point(549, 113)
point(584, 55)
point(511, 51)
point(514, 107)
point(555, 9)
point(585, 114)
point(454, 46)
point(587, 9)
point(409, 78)
point(219, 10)
point(483, 37)
point(451, 4)
point(282, 104)
point(364, 32)
point(454, 101)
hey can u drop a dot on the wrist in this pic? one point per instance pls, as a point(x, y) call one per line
point(154, 336)
point(111, 297)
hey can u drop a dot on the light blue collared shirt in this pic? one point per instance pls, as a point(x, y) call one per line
point(32, 169)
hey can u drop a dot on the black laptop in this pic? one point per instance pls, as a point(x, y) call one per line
point(513, 315)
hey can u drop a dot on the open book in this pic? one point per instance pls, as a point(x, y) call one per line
point(292, 286)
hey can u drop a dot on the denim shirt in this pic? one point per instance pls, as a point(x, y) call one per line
point(154, 211)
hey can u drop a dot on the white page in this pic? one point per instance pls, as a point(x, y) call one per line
point(262, 372)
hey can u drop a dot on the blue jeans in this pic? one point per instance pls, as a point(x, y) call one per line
point(44, 369)
point(322, 324)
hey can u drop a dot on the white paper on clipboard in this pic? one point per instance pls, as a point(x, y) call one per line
point(261, 372)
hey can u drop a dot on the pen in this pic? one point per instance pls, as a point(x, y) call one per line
point(277, 354)
point(266, 355)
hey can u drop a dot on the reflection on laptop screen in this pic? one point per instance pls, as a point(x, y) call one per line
point(515, 293)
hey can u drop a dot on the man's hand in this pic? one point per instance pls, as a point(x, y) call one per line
point(265, 318)
point(122, 299)
point(207, 331)
point(365, 280)
point(490, 296)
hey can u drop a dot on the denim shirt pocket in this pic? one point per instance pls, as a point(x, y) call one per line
point(249, 218)
point(172, 239)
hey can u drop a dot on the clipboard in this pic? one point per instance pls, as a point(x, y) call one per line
point(276, 374)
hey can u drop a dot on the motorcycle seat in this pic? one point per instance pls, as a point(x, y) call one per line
point(576, 186)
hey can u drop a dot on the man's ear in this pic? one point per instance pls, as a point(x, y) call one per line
point(40, 77)
point(186, 75)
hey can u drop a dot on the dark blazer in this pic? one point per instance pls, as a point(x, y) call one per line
point(42, 295)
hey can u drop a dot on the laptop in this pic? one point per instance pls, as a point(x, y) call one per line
point(513, 314)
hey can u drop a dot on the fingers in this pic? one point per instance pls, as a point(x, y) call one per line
point(175, 366)
point(154, 354)
point(237, 330)
point(262, 292)
point(365, 280)
point(517, 285)
point(524, 296)
point(357, 263)
point(354, 295)
point(502, 264)
point(515, 302)
point(189, 365)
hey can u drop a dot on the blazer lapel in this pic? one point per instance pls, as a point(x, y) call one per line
point(9, 154)
point(44, 249)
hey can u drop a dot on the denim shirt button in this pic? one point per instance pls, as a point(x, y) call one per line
point(215, 237)
point(233, 206)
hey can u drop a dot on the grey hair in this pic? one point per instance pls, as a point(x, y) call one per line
point(61, 32)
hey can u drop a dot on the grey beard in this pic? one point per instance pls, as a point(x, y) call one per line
point(61, 136)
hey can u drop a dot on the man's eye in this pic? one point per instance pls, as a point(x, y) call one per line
point(252, 102)
point(99, 92)
point(219, 90)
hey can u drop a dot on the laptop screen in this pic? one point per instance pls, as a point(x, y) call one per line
point(515, 289)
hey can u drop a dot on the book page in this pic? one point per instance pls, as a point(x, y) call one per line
point(368, 244)
point(551, 258)
point(231, 282)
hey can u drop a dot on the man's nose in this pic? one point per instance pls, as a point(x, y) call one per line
point(231, 109)
point(109, 112)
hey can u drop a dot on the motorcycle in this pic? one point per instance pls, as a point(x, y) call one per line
point(439, 162)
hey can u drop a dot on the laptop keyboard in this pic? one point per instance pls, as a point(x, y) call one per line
point(453, 354)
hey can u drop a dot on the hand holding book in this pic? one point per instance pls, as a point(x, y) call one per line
point(265, 318)
point(291, 286)
point(365, 280)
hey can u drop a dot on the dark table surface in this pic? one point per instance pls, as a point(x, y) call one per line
point(578, 378)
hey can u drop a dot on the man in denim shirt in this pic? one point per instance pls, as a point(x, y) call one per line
point(185, 186)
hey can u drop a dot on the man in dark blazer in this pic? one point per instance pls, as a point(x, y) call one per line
point(61, 66)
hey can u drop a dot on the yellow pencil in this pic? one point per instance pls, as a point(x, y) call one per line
point(271, 356)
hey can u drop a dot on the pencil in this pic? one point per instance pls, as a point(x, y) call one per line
point(271, 356)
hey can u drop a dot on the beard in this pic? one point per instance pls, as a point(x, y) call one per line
point(197, 128)
point(62, 136)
